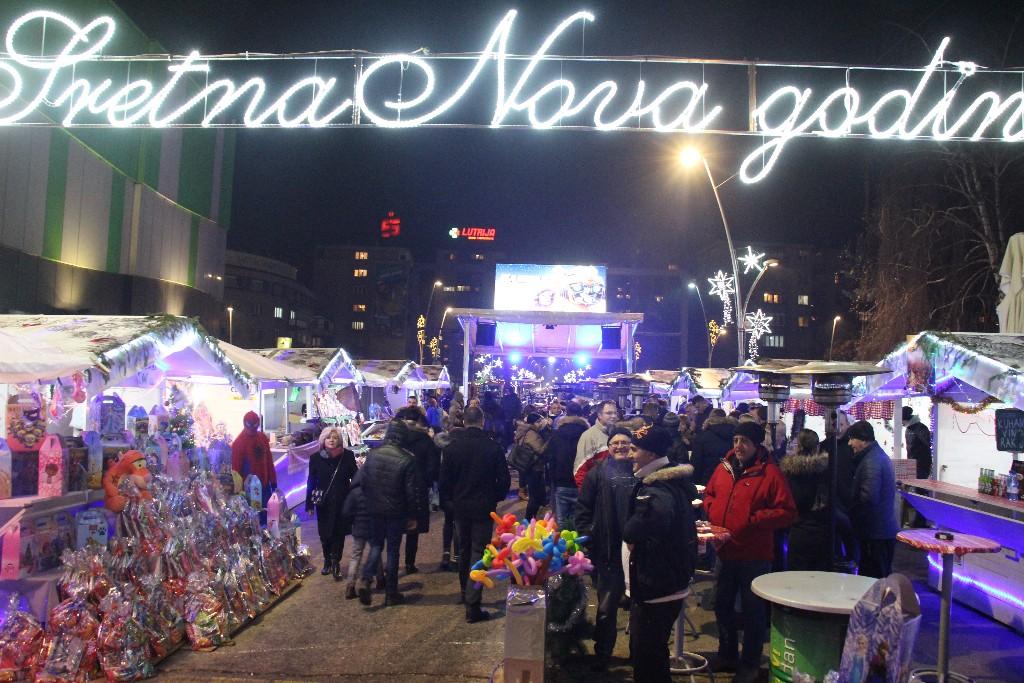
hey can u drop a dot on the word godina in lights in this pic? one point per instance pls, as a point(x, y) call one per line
point(50, 82)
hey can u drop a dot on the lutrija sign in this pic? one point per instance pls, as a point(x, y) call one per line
point(45, 82)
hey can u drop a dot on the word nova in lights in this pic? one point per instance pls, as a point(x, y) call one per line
point(30, 85)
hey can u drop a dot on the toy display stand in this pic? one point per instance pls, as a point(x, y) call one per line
point(40, 589)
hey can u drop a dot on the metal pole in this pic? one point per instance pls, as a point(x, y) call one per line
point(947, 601)
point(746, 302)
point(740, 355)
point(707, 335)
point(835, 321)
point(833, 483)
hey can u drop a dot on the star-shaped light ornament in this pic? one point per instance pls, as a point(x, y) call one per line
point(722, 286)
point(751, 261)
point(757, 326)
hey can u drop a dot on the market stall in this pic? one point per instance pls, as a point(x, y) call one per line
point(630, 390)
point(706, 382)
point(969, 388)
point(331, 396)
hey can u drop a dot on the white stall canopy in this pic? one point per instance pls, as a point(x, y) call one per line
point(269, 373)
point(965, 364)
point(329, 366)
point(112, 350)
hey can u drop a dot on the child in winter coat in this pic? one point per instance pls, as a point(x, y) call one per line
point(356, 511)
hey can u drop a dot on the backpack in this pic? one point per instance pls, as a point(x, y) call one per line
point(521, 457)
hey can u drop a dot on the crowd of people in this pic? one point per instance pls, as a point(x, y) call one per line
point(634, 485)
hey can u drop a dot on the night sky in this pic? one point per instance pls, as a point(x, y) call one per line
point(562, 196)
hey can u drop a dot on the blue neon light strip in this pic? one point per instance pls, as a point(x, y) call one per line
point(991, 591)
point(300, 487)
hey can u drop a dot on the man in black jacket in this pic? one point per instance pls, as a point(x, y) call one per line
point(602, 509)
point(474, 478)
point(710, 445)
point(393, 492)
point(561, 454)
point(662, 540)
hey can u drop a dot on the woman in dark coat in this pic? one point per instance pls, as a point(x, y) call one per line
point(331, 471)
point(807, 474)
point(427, 456)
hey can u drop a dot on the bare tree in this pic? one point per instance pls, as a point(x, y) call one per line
point(934, 242)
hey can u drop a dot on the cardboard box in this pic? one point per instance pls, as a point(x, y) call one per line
point(52, 468)
point(5, 470)
point(91, 528)
point(78, 468)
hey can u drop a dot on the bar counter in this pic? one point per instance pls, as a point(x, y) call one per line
point(992, 584)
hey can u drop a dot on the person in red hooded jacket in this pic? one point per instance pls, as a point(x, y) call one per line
point(748, 495)
point(250, 454)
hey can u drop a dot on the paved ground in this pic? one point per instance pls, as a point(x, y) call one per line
point(317, 635)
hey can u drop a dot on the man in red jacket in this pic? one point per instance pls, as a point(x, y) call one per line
point(748, 495)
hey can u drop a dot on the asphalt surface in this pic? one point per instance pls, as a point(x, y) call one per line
point(315, 634)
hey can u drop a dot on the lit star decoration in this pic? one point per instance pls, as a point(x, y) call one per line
point(722, 286)
point(751, 261)
point(757, 326)
point(637, 350)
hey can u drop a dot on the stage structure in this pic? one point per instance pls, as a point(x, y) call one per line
point(558, 334)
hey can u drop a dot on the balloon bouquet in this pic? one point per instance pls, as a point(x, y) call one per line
point(530, 552)
point(539, 554)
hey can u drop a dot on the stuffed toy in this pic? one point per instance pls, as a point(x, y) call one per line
point(130, 464)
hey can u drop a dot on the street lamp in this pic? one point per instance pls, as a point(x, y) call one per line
point(421, 335)
point(704, 312)
point(769, 263)
point(231, 325)
point(690, 157)
point(835, 321)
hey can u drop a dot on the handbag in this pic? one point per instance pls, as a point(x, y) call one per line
point(316, 496)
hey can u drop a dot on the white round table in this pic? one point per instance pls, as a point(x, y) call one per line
point(824, 592)
point(810, 613)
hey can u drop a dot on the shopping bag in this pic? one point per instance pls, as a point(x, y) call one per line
point(881, 635)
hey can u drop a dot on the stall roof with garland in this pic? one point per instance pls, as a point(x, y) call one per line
point(109, 349)
point(707, 382)
point(265, 369)
point(425, 377)
point(327, 365)
point(382, 373)
point(991, 363)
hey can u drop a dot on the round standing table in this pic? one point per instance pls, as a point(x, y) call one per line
point(810, 613)
point(957, 546)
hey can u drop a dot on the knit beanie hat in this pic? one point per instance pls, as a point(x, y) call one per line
point(752, 431)
point(657, 440)
point(670, 421)
point(619, 430)
point(861, 430)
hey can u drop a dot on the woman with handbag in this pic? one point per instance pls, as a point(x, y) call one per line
point(330, 476)
point(527, 456)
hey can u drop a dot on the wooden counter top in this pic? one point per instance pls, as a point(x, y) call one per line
point(962, 492)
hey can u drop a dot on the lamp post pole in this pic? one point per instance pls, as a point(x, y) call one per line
point(770, 263)
point(231, 325)
point(740, 355)
point(704, 312)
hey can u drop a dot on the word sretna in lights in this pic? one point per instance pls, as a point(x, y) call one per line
point(313, 101)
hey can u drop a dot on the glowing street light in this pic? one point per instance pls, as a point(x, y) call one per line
point(835, 321)
point(231, 324)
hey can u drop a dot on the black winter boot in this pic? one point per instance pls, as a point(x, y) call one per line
point(337, 570)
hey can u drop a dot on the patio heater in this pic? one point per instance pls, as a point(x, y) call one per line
point(773, 388)
point(831, 387)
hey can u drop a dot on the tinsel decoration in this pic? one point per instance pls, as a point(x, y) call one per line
point(967, 409)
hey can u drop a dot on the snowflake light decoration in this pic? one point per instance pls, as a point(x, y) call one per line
point(751, 261)
point(723, 286)
point(757, 326)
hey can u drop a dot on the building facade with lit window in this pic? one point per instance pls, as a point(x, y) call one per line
point(659, 292)
point(101, 221)
point(268, 304)
point(802, 294)
point(365, 296)
point(465, 270)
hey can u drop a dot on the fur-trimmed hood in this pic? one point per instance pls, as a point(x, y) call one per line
point(667, 473)
point(804, 465)
point(713, 420)
point(572, 420)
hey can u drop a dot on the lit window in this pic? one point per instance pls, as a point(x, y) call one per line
point(803, 321)
point(478, 257)
point(775, 341)
point(659, 298)
point(361, 256)
point(291, 315)
point(771, 298)
point(278, 312)
point(672, 267)
point(803, 300)
point(359, 272)
point(358, 324)
point(451, 256)
point(359, 308)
